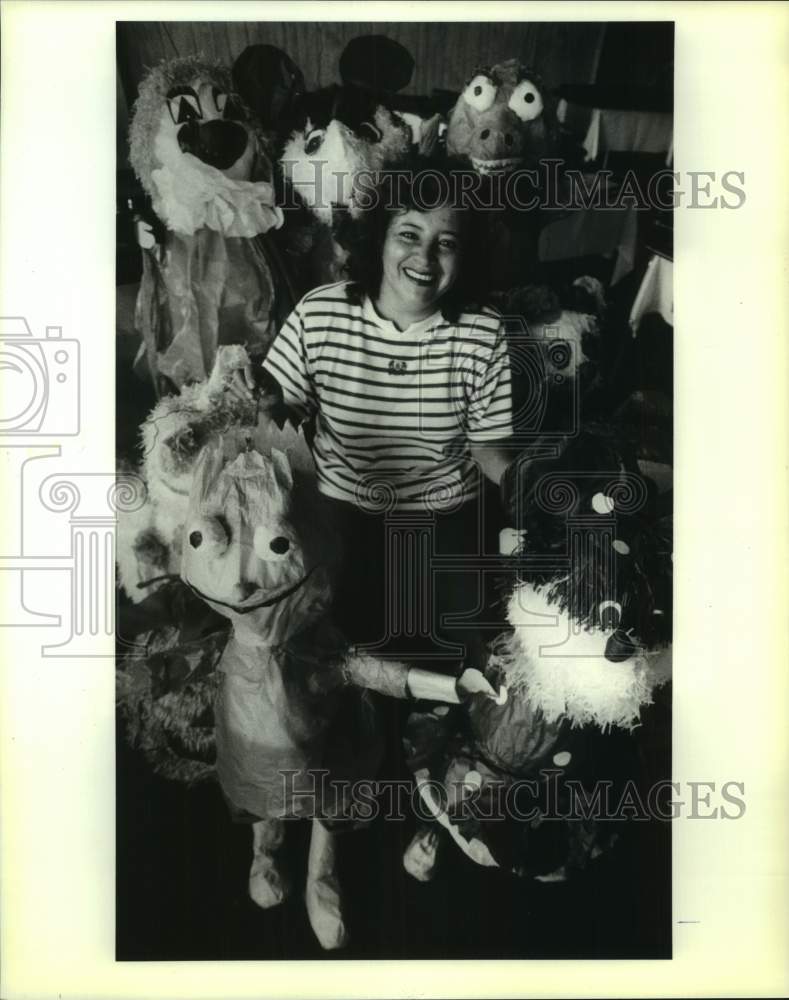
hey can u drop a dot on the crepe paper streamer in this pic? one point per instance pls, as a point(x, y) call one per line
point(474, 848)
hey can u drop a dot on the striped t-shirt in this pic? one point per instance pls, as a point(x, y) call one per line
point(396, 412)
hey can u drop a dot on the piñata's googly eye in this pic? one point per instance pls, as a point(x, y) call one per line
point(314, 141)
point(270, 545)
point(526, 101)
point(220, 100)
point(559, 353)
point(370, 132)
point(184, 105)
point(480, 93)
point(610, 613)
point(210, 534)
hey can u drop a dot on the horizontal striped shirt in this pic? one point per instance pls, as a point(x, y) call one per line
point(396, 411)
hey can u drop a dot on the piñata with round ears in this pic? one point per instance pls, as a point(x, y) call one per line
point(588, 647)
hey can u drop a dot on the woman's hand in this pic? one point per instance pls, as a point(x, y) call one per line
point(494, 458)
point(241, 386)
point(473, 682)
point(256, 383)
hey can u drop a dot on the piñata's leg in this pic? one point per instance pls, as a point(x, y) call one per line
point(322, 896)
point(267, 885)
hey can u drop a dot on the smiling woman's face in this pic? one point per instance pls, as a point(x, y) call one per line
point(421, 262)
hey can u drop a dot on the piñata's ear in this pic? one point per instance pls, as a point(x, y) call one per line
point(376, 63)
point(207, 471)
point(282, 469)
point(268, 81)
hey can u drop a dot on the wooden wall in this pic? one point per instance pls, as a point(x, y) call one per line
point(445, 53)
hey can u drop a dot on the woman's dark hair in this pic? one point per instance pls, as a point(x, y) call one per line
point(421, 185)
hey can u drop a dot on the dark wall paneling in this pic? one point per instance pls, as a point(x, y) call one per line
point(638, 54)
point(445, 53)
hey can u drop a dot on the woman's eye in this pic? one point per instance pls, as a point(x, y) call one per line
point(408, 236)
point(314, 141)
point(526, 101)
point(480, 93)
point(449, 245)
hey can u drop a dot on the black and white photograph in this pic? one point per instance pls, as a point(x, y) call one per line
point(392, 605)
point(394, 374)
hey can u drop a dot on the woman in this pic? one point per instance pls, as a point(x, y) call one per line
point(405, 372)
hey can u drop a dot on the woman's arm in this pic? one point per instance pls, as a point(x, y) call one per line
point(282, 383)
point(490, 424)
point(494, 458)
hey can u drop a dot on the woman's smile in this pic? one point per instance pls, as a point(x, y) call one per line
point(420, 277)
point(421, 261)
